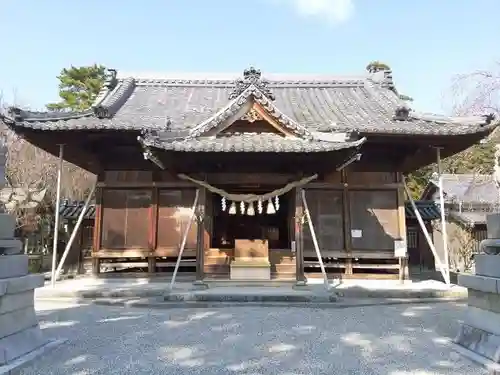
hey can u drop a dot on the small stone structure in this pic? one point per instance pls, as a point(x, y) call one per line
point(480, 331)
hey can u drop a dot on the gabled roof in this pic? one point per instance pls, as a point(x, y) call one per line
point(186, 104)
point(467, 188)
point(241, 102)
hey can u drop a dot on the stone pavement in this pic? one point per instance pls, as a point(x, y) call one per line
point(377, 340)
point(155, 289)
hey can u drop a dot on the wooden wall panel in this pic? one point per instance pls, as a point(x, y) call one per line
point(371, 178)
point(325, 207)
point(174, 209)
point(375, 213)
point(125, 223)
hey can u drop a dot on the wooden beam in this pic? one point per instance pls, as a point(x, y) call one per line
point(96, 246)
point(299, 237)
point(265, 115)
point(337, 186)
point(250, 178)
point(200, 234)
point(403, 262)
point(105, 253)
point(354, 253)
point(141, 185)
point(153, 230)
point(347, 221)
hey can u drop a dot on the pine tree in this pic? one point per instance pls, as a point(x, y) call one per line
point(78, 87)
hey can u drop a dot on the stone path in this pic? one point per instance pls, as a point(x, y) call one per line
point(144, 288)
point(388, 340)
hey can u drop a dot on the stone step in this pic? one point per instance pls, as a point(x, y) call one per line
point(249, 295)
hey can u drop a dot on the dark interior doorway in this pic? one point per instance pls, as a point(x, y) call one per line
point(272, 227)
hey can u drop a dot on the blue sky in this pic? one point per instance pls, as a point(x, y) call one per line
point(426, 42)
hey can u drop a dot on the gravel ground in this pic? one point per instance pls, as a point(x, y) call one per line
point(388, 340)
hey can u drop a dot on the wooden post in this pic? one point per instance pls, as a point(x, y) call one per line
point(403, 261)
point(200, 235)
point(79, 268)
point(96, 246)
point(153, 231)
point(57, 214)
point(347, 223)
point(443, 216)
point(299, 238)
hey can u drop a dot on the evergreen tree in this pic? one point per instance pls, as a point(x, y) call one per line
point(78, 87)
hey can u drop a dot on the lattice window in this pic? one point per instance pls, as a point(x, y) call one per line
point(412, 238)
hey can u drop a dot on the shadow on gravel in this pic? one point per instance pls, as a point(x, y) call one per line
point(250, 340)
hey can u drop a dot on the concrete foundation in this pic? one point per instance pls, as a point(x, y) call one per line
point(20, 334)
point(480, 332)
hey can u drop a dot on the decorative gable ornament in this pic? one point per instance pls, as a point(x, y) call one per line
point(251, 116)
point(251, 76)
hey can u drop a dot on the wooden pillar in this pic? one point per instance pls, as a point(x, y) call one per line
point(153, 231)
point(299, 237)
point(96, 246)
point(347, 223)
point(79, 240)
point(200, 235)
point(403, 261)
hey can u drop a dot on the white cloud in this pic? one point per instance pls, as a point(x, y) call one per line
point(334, 11)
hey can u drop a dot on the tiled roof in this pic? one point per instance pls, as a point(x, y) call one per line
point(367, 104)
point(70, 210)
point(428, 210)
point(469, 218)
point(469, 188)
point(248, 142)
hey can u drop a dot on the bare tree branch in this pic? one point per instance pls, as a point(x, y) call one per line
point(32, 168)
point(476, 93)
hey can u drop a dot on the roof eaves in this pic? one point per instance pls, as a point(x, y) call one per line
point(381, 85)
point(112, 96)
point(245, 142)
point(427, 209)
point(426, 128)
